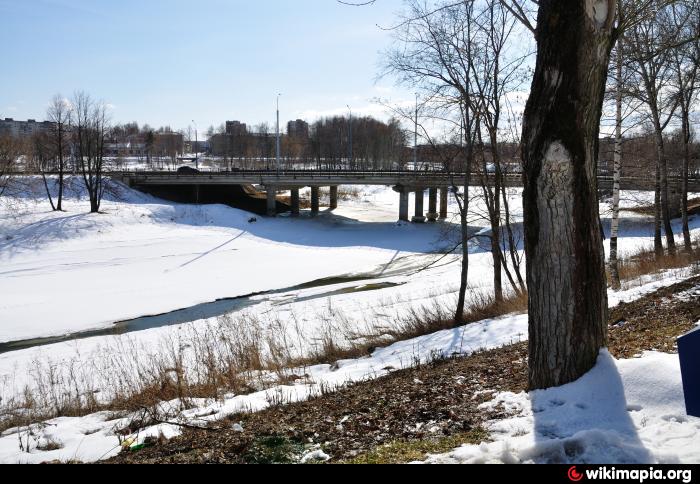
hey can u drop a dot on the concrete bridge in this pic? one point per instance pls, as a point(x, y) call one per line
point(437, 184)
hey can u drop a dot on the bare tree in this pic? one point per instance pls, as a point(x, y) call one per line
point(495, 72)
point(434, 51)
point(90, 132)
point(646, 46)
point(10, 150)
point(629, 79)
point(617, 169)
point(685, 64)
point(42, 161)
point(59, 114)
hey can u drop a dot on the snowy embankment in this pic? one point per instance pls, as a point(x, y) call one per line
point(622, 412)
point(98, 436)
point(70, 272)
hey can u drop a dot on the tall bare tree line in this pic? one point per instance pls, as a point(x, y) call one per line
point(561, 131)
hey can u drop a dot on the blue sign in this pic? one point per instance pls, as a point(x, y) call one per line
point(689, 352)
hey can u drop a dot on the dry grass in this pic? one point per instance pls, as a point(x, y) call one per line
point(428, 320)
point(405, 451)
point(304, 203)
point(693, 208)
point(344, 194)
point(638, 267)
point(241, 354)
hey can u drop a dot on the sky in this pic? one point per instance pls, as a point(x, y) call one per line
point(172, 62)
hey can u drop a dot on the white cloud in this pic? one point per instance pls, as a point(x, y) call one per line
point(372, 109)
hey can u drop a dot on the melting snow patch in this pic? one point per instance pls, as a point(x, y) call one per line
point(622, 412)
point(315, 456)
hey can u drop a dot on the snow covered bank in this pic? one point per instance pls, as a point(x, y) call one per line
point(97, 436)
point(69, 272)
point(622, 412)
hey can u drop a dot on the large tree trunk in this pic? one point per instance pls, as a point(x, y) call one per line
point(563, 241)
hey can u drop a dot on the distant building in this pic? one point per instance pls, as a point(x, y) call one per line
point(132, 146)
point(236, 128)
point(199, 146)
point(23, 129)
point(168, 144)
point(298, 129)
point(136, 145)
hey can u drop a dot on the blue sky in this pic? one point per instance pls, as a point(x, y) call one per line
point(173, 61)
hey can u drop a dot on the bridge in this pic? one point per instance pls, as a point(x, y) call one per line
point(436, 183)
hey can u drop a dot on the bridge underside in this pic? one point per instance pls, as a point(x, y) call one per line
point(435, 184)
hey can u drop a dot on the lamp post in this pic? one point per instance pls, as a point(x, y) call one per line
point(277, 150)
point(415, 138)
point(196, 143)
point(350, 138)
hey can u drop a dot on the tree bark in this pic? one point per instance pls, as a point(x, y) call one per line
point(464, 274)
point(563, 241)
point(61, 165)
point(492, 199)
point(658, 241)
point(664, 191)
point(617, 166)
point(688, 243)
point(512, 244)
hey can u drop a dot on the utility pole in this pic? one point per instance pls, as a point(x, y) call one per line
point(278, 134)
point(350, 153)
point(196, 143)
point(415, 138)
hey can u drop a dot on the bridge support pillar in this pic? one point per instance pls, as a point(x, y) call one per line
point(334, 198)
point(444, 199)
point(315, 201)
point(403, 206)
point(295, 202)
point(419, 218)
point(271, 201)
point(432, 205)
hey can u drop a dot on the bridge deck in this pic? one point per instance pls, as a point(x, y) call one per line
point(407, 179)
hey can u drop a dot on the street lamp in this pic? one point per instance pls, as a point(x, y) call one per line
point(196, 143)
point(350, 138)
point(415, 139)
point(277, 151)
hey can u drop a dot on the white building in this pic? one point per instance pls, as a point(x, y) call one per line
point(23, 129)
